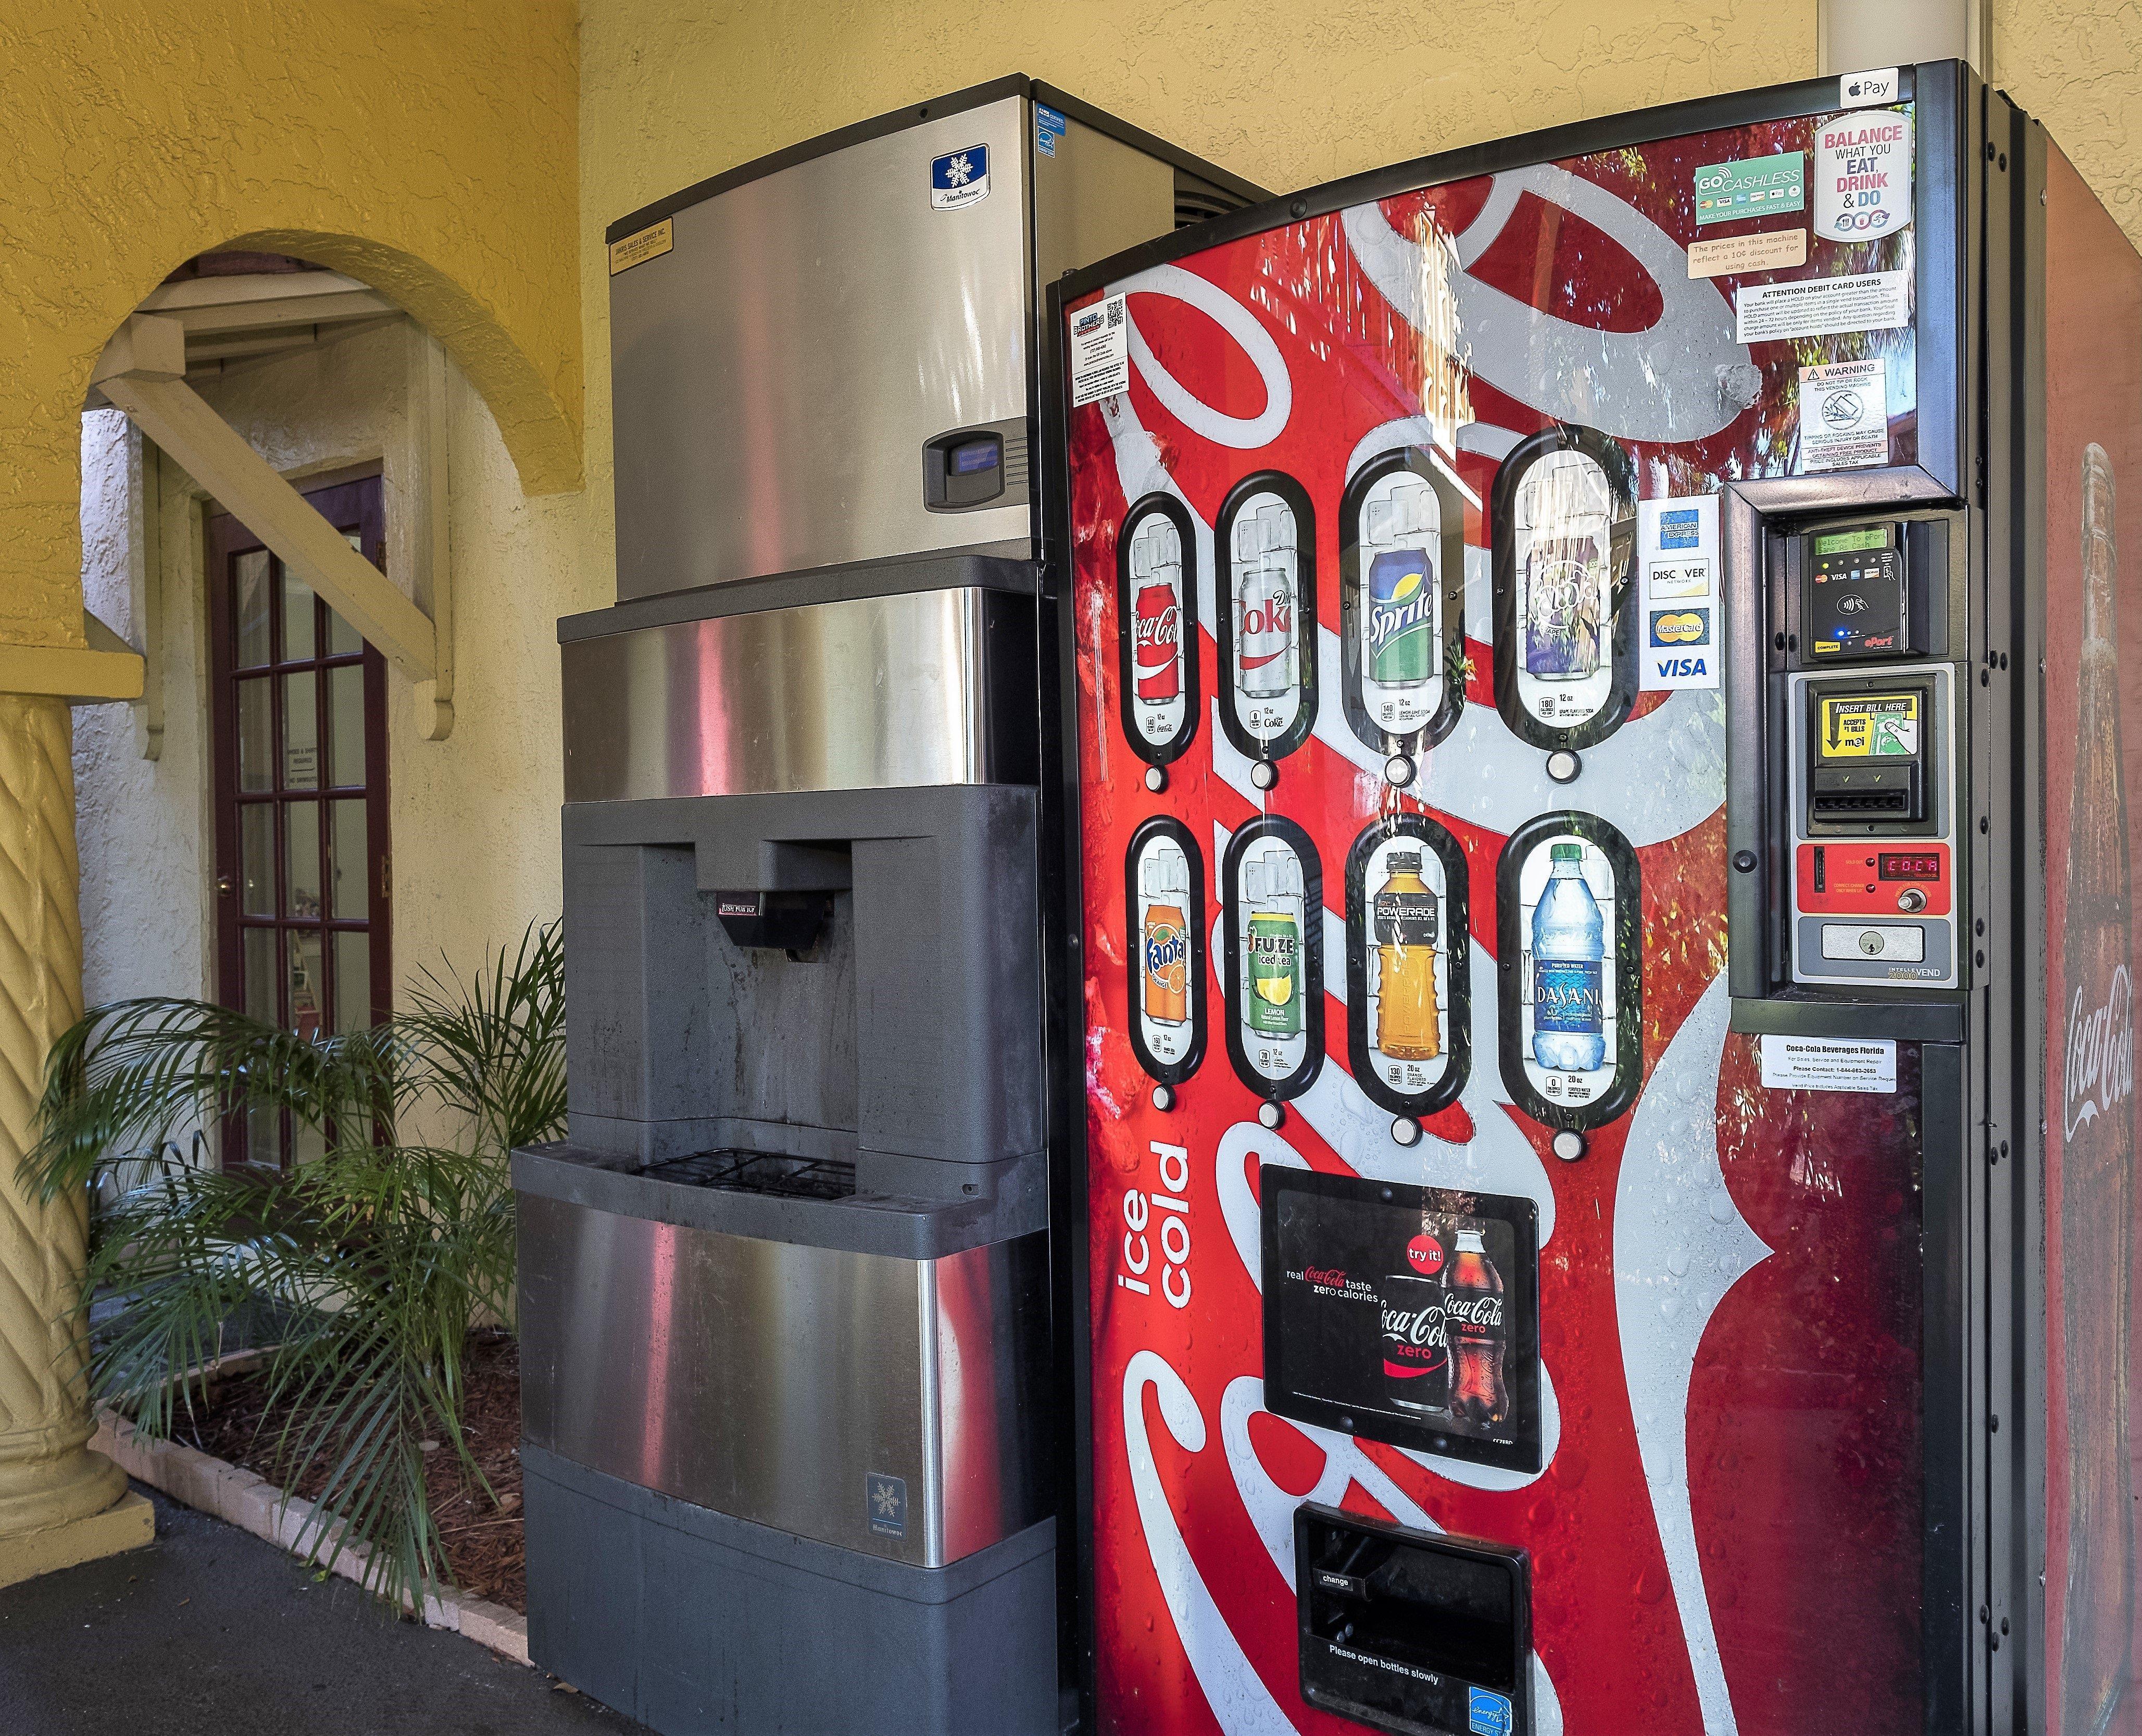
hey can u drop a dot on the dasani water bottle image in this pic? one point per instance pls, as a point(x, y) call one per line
point(1569, 946)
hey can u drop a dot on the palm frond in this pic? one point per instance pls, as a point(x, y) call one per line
point(136, 1073)
point(374, 1261)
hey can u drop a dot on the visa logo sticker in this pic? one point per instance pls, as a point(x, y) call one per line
point(1488, 1712)
point(959, 178)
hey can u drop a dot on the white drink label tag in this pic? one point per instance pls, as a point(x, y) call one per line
point(1828, 1064)
point(1100, 350)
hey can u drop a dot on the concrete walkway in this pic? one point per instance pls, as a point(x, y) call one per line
point(210, 1632)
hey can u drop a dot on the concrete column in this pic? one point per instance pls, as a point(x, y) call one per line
point(60, 1503)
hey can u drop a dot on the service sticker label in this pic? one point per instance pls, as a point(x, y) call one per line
point(1049, 128)
point(1863, 176)
point(1875, 726)
point(1100, 351)
point(959, 178)
point(1827, 1063)
point(1761, 186)
point(642, 245)
point(1845, 416)
point(1820, 307)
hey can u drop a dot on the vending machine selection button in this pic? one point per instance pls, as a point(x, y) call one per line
point(1889, 942)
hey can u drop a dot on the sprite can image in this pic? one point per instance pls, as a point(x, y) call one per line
point(1400, 647)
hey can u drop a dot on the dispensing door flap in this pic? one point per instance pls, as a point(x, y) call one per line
point(1407, 1631)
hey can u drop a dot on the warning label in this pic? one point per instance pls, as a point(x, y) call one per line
point(1872, 726)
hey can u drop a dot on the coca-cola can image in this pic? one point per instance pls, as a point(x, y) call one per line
point(1158, 647)
point(1264, 652)
point(1416, 1348)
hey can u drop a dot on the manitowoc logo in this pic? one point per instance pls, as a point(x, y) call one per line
point(2100, 1054)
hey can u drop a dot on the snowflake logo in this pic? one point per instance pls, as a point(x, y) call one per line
point(884, 1500)
point(959, 170)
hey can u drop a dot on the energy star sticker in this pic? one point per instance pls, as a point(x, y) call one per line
point(959, 172)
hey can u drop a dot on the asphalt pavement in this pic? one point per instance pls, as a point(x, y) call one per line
point(208, 1631)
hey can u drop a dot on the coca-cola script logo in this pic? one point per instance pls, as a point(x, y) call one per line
point(1157, 633)
point(2100, 1054)
point(1331, 1277)
point(1482, 1311)
point(1415, 1326)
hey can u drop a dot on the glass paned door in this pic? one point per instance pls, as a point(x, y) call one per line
point(303, 867)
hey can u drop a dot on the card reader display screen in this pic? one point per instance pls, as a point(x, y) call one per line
point(1848, 542)
point(974, 456)
point(1855, 586)
point(1897, 865)
point(1868, 726)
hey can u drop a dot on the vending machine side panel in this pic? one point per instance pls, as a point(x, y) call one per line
point(2092, 740)
point(1637, 1295)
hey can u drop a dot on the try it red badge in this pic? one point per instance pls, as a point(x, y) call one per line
point(1424, 1254)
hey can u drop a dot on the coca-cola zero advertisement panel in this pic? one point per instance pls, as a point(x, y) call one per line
point(1404, 1314)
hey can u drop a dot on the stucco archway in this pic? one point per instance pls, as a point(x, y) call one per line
point(432, 152)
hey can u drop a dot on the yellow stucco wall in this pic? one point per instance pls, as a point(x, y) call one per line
point(427, 146)
point(2076, 65)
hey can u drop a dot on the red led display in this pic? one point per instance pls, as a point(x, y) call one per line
point(1896, 865)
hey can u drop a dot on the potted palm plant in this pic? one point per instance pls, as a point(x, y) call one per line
point(372, 1264)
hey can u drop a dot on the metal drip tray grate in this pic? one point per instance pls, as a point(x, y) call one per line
point(759, 1172)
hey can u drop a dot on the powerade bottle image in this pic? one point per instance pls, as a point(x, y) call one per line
point(1569, 944)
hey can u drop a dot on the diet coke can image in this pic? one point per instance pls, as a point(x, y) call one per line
point(1264, 651)
point(1416, 1347)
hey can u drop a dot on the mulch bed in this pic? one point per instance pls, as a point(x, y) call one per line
point(483, 1541)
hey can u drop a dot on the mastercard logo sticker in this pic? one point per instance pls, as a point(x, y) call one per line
point(1680, 626)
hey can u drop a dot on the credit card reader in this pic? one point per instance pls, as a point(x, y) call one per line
point(1856, 591)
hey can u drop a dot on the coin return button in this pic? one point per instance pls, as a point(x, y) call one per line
point(1885, 942)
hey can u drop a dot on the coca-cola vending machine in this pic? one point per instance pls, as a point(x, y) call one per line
point(1593, 701)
